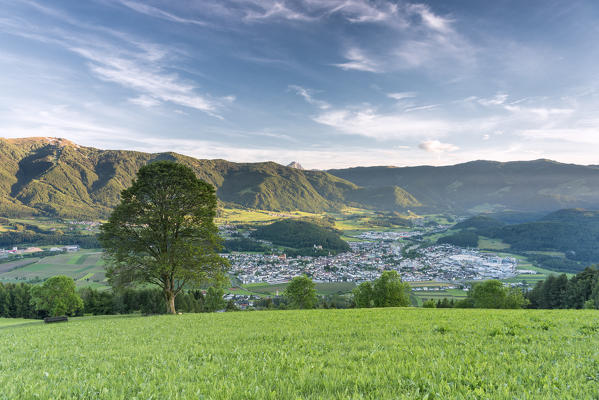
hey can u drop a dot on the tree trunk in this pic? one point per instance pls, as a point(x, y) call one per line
point(170, 302)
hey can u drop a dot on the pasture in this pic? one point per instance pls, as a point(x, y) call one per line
point(321, 354)
point(86, 267)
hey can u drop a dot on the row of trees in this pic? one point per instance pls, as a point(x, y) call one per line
point(487, 294)
point(386, 291)
point(58, 296)
point(580, 291)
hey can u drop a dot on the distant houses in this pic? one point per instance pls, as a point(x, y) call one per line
point(33, 250)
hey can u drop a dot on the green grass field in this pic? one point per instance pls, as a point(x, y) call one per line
point(6, 322)
point(243, 216)
point(86, 267)
point(321, 354)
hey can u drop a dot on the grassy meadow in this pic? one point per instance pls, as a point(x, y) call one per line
point(321, 354)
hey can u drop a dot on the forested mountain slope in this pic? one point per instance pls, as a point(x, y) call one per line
point(484, 186)
point(56, 177)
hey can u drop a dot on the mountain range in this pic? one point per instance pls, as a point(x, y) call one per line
point(51, 176)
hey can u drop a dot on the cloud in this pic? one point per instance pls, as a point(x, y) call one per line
point(422, 39)
point(401, 95)
point(159, 13)
point(422, 108)
point(369, 123)
point(307, 95)
point(358, 61)
point(275, 9)
point(496, 100)
point(429, 19)
point(145, 101)
point(118, 57)
point(127, 70)
point(541, 113)
point(435, 146)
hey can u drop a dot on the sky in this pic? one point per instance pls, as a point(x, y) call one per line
point(327, 83)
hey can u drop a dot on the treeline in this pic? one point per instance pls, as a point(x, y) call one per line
point(15, 301)
point(149, 301)
point(13, 238)
point(580, 291)
point(464, 238)
point(244, 244)
point(487, 294)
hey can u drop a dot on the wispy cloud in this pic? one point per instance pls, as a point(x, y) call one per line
point(358, 61)
point(423, 40)
point(145, 101)
point(401, 95)
point(370, 123)
point(308, 96)
point(117, 57)
point(159, 13)
point(422, 108)
point(430, 19)
point(496, 100)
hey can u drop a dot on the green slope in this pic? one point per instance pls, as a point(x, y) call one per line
point(58, 178)
point(312, 354)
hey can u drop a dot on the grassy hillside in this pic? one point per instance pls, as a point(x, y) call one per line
point(321, 354)
point(54, 177)
point(486, 186)
point(45, 176)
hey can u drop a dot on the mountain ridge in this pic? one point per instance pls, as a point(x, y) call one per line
point(52, 176)
point(56, 177)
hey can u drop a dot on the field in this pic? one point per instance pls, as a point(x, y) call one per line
point(86, 267)
point(243, 216)
point(321, 354)
point(6, 322)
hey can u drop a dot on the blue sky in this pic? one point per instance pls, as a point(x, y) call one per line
point(328, 83)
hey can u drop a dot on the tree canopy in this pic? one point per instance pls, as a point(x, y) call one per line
point(386, 291)
point(57, 296)
point(493, 294)
point(301, 292)
point(163, 232)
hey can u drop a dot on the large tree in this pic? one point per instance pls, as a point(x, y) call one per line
point(493, 294)
point(389, 291)
point(386, 291)
point(163, 232)
point(301, 292)
point(57, 296)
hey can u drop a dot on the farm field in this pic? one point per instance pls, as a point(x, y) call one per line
point(321, 354)
point(86, 267)
point(243, 216)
